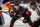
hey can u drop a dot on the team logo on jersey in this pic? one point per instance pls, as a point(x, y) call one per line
point(27, 12)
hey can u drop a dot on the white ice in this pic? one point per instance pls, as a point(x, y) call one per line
point(18, 23)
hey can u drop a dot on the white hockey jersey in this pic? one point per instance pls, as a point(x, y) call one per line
point(34, 15)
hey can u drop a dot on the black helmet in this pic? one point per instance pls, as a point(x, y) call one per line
point(16, 3)
point(32, 4)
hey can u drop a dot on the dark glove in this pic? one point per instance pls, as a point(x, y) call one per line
point(11, 15)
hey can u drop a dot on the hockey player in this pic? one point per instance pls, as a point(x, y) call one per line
point(37, 23)
point(1, 17)
point(8, 4)
point(34, 15)
point(19, 12)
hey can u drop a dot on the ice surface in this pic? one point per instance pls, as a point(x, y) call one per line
point(18, 23)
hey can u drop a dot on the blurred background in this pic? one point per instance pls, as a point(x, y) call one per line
point(25, 1)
